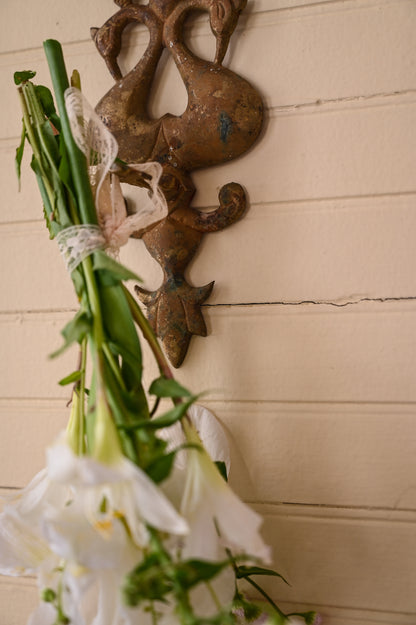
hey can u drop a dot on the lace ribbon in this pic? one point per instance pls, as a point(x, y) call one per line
point(78, 242)
point(115, 225)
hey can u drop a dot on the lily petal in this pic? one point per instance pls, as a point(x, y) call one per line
point(21, 548)
point(211, 506)
point(44, 614)
point(209, 430)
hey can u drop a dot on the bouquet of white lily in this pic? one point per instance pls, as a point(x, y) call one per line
point(132, 520)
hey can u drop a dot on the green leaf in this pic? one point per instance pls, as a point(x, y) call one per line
point(192, 572)
point(164, 421)
point(222, 468)
point(20, 77)
point(71, 378)
point(164, 387)
point(160, 469)
point(121, 331)
point(46, 100)
point(246, 571)
point(103, 262)
point(78, 327)
point(64, 168)
point(74, 331)
point(50, 143)
point(173, 415)
point(52, 225)
point(132, 358)
point(56, 122)
point(77, 277)
point(19, 155)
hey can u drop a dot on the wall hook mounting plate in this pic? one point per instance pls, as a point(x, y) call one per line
point(222, 120)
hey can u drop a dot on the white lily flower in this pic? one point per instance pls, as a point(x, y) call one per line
point(209, 505)
point(109, 494)
point(214, 440)
point(213, 510)
point(81, 525)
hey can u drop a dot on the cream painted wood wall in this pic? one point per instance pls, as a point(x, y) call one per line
point(311, 354)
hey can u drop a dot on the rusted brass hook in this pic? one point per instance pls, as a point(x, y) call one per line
point(222, 120)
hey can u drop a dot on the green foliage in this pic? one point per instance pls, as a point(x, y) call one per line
point(222, 468)
point(164, 387)
point(119, 330)
point(111, 271)
point(160, 469)
point(165, 420)
point(75, 376)
point(148, 581)
point(46, 100)
point(251, 610)
point(244, 572)
point(75, 331)
point(52, 146)
point(189, 573)
point(20, 77)
point(157, 576)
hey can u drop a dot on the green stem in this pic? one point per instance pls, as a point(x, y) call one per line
point(81, 442)
point(76, 158)
point(153, 613)
point(149, 335)
point(94, 302)
point(266, 596)
point(25, 105)
point(61, 618)
point(113, 366)
point(214, 596)
point(38, 117)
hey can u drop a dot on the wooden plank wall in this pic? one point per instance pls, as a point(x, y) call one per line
point(311, 354)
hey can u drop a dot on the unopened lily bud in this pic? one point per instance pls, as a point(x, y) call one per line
point(74, 430)
point(106, 447)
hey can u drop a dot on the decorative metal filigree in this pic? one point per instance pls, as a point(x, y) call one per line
point(222, 120)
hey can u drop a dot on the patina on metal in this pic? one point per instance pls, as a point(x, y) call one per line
point(222, 120)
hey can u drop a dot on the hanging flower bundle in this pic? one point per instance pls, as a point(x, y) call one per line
point(131, 521)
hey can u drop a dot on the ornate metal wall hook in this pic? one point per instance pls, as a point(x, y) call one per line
point(222, 120)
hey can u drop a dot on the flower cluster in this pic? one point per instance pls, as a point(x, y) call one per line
point(132, 521)
point(95, 530)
